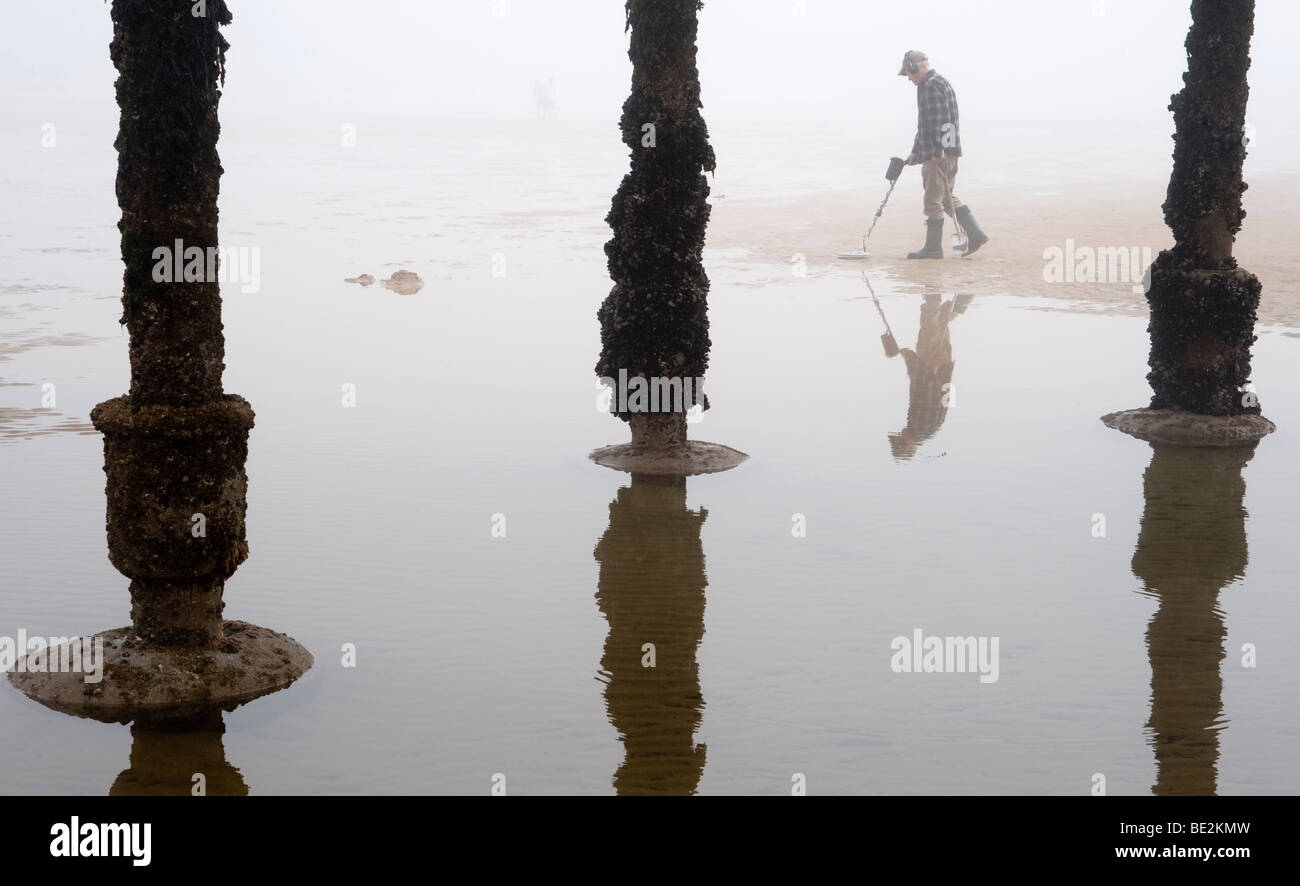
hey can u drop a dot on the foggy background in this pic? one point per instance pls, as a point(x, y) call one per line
point(1082, 61)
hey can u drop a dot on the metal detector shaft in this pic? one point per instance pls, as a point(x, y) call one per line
point(895, 170)
point(881, 209)
point(876, 301)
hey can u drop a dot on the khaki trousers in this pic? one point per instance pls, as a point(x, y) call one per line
point(939, 178)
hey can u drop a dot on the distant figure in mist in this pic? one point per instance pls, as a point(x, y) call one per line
point(937, 147)
point(544, 98)
point(929, 373)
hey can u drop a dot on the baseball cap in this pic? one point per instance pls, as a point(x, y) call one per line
point(913, 55)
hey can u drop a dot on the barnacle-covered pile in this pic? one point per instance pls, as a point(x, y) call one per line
point(176, 445)
point(1202, 305)
point(654, 322)
point(170, 62)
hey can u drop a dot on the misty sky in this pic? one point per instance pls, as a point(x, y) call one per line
point(1008, 59)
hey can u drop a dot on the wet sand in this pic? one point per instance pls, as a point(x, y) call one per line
point(1022, 224)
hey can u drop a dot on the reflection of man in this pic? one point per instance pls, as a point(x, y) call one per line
point(937, 147)
point(929, 373)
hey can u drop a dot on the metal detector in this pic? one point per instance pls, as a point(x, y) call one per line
point(892, 174)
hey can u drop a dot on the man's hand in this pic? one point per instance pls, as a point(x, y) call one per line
point(911, 159)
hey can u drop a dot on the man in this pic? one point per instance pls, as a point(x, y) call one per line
point(936, 148)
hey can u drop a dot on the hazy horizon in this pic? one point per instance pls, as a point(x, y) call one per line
point(796, 59)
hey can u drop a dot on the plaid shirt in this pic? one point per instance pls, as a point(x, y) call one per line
point(936, 106)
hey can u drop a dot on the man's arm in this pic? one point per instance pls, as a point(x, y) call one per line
point(932, 112)
point(916, 142)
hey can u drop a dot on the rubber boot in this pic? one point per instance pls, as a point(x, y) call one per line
point(975, 238)
point(933, 247)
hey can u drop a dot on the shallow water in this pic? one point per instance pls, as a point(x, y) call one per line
point(479, 654)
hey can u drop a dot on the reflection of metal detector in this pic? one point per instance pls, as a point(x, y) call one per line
point(887, 337)
point(896, 165)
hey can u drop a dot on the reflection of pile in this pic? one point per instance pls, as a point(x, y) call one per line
point(651, 590)
point(929, 368)
point(166, 754)
point(1192, 543)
